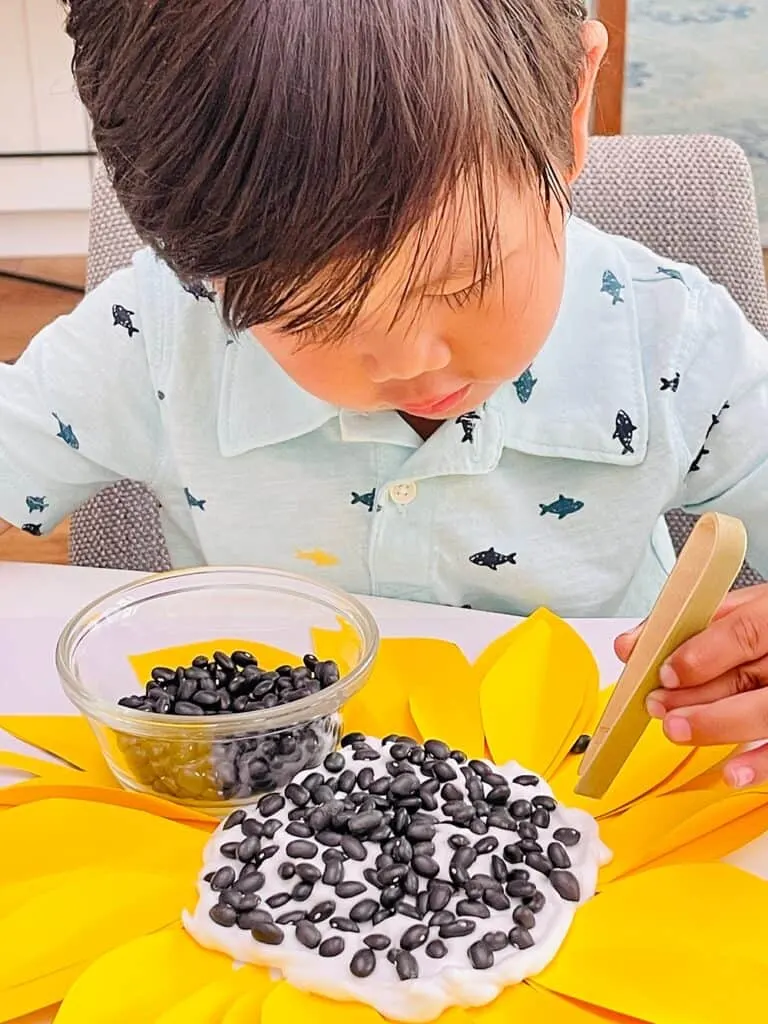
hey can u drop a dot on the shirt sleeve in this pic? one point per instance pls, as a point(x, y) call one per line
point(78, 411)
point(722, 413)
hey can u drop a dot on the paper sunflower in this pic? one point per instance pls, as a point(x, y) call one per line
point(93, 879)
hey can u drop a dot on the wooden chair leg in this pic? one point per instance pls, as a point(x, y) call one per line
point(609, 91)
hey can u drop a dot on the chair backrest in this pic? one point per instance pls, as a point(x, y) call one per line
point(688, 197)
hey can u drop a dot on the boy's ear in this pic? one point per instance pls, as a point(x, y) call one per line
point(595, 40)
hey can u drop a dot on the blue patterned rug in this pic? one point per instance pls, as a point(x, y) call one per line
point(702, 66)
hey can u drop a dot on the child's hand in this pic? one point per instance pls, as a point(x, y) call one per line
point(714, 688)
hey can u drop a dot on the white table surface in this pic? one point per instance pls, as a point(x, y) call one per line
point(37, 600)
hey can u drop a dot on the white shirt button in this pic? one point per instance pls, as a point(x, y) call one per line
point(403, 494)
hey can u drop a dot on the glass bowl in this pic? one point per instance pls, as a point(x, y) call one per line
point(219, 761)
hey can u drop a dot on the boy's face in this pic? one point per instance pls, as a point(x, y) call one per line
point(444, 354)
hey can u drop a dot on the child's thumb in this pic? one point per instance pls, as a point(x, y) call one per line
point(624, 644)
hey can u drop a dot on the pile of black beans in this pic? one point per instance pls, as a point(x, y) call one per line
point(387, 808)
point(235, 768)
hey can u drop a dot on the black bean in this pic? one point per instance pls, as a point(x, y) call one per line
point(308, 873)
point(297, 794)
point(404, 785)
point(414, 937)
point(390, 896)
point(299, 829)
point(427, 798)
point(322, 794)
point(250, 883)
point(321, 911)
point(427, 867)
point(381, 915)
point(408, 910)
point(301, 891)
point(346, 890)
point(581, 744)
point(271, 828)
point(439, 896)
point(457, 841)
point(496, 899)
point(402, 851)
point(271, 804)
point(378, 942)
point(478, 826)
point(519, 889)
point(444, 772)
point(441, 917)
point(313, 779)
point(301, 848)
point(364, 778)
point(520, 937)
point(223, 878)
point(486, 845)
point(327, 837)
point(334, 762)
point(406, 965)
point(286, 871)
point(363, 824)
point(474, 890)
point(521, 809)
point(249, 848)
point(436, 949)
point(524, 917)
point(438, 749)
point(417, 755)
point(530, 846)
point(480, 956)
point(292, 917)
point(183, 707)
point(334, 872)
point(279, 899)
point(472, 908)
point(420, 831)
point(206, 699)
point(391, 873)
point(501, 818)
point(222, 914)
point(474, 789)
point(344, 924)
point(363, 963)
point(308, 935)
point(566, 885)
point(451, 793)
point(235, 818)
point(346, 781)
point(538, 862)
point(536, 902)
point(422, 903)
point(364, 910)
point(541, 818)
point(268, 933)
point(567, 836)
point(499, 794)
point(353, 848)
point(331, 947)
point(229, 850)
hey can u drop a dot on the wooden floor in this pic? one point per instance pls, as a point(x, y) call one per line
point(24, 310)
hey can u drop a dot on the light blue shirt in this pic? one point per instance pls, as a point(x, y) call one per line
point(650, 393)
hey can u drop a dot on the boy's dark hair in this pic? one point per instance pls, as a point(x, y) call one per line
point(290, 146)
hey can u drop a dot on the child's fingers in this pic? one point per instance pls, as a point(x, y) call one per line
point(748, 768)
point(624, 644)
point(742, 679)
point(739, 719)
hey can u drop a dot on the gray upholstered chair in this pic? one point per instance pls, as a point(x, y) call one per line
point(688, 197)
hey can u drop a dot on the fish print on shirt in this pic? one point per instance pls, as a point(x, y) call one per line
point(35, 529)
point(121, 317)
point(200, 290)
point(468, 422)
point(525, 384)
point(161, 396)
point(36, 504)
point(194, 502)
point(66, 433)
point(612, 286)
point(625, 428)
point(492, 559)
point(704, 451)
point(670, 383)
point(366, 499)
point(696, 464)
point(562, 507)
point(716, 418)
point(667, 274)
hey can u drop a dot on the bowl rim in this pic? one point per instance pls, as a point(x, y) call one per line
point(185, 727)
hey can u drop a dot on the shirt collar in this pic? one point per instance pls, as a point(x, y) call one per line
point(584, 395)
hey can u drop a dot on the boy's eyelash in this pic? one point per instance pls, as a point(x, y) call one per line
point(459, 299)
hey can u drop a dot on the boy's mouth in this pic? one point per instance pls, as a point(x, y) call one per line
point(438, 406)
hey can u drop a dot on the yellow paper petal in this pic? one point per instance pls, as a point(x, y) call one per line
point(267, 656)
point(341, 645)
point(286, 1005)
point(679, 945)
point(696, 766)
point(527, 1002)
point(382, 706)
point(40, 789)
point(23, 1000)
point(533, 695)
point(57, 928)
point(68, 737)
point(141, 979)
point(247, 1009)
point(46, 770)
point(91, 833)
point(445, 697)
point(633, 835)
point(209, 1004)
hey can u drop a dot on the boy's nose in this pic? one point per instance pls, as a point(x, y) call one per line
point(393, 358)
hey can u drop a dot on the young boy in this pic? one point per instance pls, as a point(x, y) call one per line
point(367, 340)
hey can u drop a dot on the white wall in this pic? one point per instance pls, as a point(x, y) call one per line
point(43, 201)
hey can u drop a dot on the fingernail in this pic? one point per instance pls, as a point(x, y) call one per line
point(739, 775)
point(668, 677)
point(655, 708)
point(678, 729)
